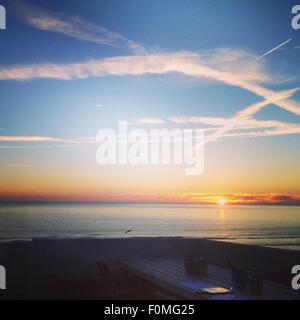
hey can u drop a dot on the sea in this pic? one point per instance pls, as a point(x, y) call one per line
point(271, 226)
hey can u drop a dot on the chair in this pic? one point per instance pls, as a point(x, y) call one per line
point(110, 281)
point(117, 284)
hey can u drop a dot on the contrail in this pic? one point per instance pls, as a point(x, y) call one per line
point(274, 49)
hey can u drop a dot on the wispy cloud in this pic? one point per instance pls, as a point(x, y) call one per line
point(147, 121)
point(244, 198)
point(211, 198)
point(17, 165)
point(71, 26)
point(259, 128)
point(215, 66)
point(279, 99)
point(51, 141)
point(188, 63)
point(28, 139)
point(99, 105)
point(223, 65)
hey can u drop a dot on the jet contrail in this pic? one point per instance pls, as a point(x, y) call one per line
point(274, 49)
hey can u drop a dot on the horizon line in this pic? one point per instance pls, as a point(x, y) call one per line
point(290, 204)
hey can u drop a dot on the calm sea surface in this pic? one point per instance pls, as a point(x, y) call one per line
point(263, 225)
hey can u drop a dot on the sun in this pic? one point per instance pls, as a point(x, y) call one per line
point(221, 201)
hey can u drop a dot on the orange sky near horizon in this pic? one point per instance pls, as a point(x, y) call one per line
point(27, 184)
point(247, 177)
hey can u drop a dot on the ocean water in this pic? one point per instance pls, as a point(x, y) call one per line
point(275, 226)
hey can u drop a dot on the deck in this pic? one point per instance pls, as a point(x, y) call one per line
point(169, 274)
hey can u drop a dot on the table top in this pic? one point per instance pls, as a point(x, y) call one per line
point(169, 273)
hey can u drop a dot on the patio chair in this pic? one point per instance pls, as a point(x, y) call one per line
point(117, 284)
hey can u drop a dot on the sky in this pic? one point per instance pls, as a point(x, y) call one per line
point(69, 68)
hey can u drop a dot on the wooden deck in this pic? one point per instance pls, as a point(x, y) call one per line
point(170, 275)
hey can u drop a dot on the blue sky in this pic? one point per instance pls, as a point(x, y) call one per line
point(49, 86)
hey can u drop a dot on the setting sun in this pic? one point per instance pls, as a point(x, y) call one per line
point(221, 201)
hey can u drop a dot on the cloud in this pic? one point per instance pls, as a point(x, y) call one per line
point(204, 120)
point(188, 63)
point(236, 61)
point(28, 139)
point(242, 119)
point(232, 67)
point(277, 98)
point(232, 198)
point(99, 105)
point(17, 165)
point(37, 139)
point(71, 26)
point(237, 67)
point(216, 66)
point(289, 129)
point(261, 127)
point(147, 121)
